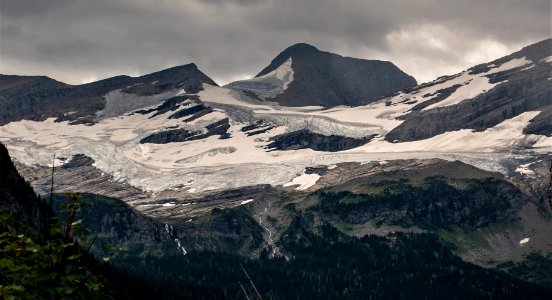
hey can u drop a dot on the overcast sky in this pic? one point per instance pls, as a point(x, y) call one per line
point(78, 41)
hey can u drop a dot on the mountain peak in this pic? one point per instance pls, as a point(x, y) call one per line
point(301, 48)
point(303, 75)
point(295, 51)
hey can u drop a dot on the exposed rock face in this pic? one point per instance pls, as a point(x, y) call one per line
point(327, 79)
point(38, 98)
point(191, 113)
point(171, 136)
point(170, 104)
point(441, 95)
point(26, 97)
point(258, 127)
point(521, 89)
point(182, 135)
point(541, 124)
point(17, 197)
point(303, 139)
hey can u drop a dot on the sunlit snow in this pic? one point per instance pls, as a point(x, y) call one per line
point(303, 181)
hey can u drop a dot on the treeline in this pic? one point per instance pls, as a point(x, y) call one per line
point(325, 265)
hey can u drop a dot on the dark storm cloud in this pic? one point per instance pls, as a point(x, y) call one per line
point(80, 40)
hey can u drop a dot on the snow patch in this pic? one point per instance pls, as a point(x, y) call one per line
point(304, 181)
point(472, 86)
point(246, 201)
point(511, 64)
point(524, 169)
point(59, 161)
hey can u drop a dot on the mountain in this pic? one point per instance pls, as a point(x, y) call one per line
point(302, 75)
point(156, 138)
point(464, 158)
point(482, 97)
point(39, 97)
point(209, 139)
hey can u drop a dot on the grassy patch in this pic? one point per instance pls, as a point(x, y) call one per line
point(463, 240)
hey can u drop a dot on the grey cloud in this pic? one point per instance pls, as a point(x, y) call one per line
point(82, 40)
point(234, 2)
point(28, 7)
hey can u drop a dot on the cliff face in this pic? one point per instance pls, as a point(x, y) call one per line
point(17, 197)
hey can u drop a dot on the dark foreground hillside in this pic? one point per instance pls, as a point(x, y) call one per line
point(328, 266)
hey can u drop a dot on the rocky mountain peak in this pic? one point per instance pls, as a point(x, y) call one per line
point(316, 77)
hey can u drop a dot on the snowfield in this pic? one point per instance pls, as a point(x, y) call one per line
point(213, 163)
point(242, 160)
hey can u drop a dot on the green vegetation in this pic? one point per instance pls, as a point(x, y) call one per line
point(53, 266)
point(435, 203)
point(462, 239)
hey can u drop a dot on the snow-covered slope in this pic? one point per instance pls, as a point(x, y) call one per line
point(480, 97)
point(269, 85)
